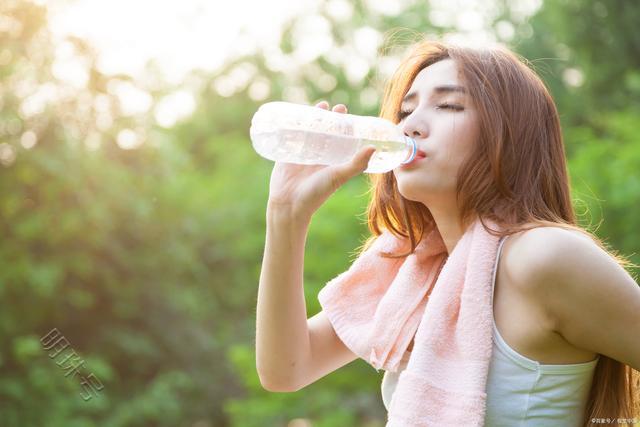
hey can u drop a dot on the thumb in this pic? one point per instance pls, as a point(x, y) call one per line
point(358, 163)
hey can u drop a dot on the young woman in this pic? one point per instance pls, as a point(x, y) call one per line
point(566, 313)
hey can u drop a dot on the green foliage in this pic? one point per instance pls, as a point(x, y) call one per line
point(148, 260)
point(335, 400)
point(606, 180)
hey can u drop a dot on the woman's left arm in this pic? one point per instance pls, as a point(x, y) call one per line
point(593, 301)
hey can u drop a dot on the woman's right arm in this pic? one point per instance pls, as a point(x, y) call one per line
point(282, 336)
point(291, 351)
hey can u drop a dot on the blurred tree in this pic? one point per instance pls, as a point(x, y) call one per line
point(140, 237)
point(593, 73)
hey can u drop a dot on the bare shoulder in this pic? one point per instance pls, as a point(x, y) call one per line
point(543, 250)
point(553, 238)
point(591, 300)
point(534, 258)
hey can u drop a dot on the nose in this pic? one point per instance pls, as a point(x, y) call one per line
point(414, 128)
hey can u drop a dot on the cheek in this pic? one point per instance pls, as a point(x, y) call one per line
point(463, 140)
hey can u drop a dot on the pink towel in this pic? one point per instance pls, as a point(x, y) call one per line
point(378, 304)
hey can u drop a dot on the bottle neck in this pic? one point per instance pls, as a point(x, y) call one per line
point(414, 149)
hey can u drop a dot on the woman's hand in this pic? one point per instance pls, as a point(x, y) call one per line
point(302, 189)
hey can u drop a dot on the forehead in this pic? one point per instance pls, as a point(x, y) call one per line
point(444, 72)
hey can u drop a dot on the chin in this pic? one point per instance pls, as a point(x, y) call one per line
point(419, 189)
point(412, 191)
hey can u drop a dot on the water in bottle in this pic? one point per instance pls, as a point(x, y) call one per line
point(294, 133)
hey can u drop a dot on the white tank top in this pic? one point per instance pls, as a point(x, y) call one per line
point(522, 392)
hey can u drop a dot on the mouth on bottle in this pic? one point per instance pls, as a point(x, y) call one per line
point(414, 150)
point(417, 158)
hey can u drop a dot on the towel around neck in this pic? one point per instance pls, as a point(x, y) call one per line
point(379, 304)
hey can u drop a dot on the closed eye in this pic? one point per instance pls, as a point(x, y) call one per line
point(454, 107)
point(404, 113)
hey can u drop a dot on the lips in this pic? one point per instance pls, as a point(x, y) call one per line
point(419, 156)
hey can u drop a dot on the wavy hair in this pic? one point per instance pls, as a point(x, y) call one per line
point(516, 176)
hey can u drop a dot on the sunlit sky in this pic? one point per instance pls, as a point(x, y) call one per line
point(180, 36)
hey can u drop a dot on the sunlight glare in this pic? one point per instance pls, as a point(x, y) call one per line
point(128, 139)
point(132, 100)
point(179, 35)
point(174, 107)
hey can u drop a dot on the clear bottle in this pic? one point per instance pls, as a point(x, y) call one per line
point(303, 134)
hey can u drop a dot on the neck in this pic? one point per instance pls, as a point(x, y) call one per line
point(449, 225)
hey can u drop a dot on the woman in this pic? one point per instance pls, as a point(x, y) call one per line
point(566, 312)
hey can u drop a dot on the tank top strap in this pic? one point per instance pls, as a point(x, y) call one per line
point(495, 266)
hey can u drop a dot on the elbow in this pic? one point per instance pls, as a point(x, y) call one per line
point(277, 386)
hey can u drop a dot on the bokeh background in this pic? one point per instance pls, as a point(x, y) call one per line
point(132, 205)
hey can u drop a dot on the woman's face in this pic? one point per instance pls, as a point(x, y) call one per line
point(438, 114)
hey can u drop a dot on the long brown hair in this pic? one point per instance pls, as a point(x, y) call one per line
point(516, 176)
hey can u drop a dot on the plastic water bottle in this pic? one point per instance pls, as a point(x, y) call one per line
point(295, 133)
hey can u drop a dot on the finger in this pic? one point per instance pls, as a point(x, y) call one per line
point(323, 104)
point(358, 164)
point(339, 108)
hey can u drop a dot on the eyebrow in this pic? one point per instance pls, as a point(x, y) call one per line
point(438, 90)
